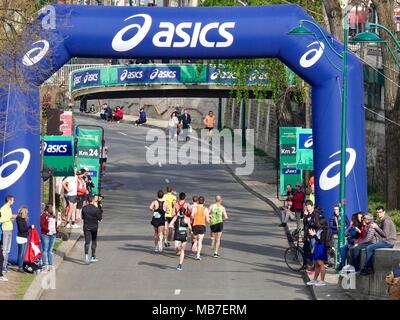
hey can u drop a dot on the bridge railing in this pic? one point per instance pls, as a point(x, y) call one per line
point(62, 76)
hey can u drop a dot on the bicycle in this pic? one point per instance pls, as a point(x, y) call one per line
point(294, 255)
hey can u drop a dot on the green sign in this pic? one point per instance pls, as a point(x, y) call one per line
point(287, 146)
point(290, 176)
point(59, 155)
point(304, 156)
point(88, 152)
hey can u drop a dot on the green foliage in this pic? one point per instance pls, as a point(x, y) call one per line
point(273, 68)
point(378, 199)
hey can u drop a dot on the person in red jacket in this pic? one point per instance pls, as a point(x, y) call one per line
point(298, 201)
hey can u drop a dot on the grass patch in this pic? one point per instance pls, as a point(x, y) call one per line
point(26, 280)
point(377, 199)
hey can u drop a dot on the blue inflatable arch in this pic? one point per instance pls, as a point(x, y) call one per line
point(62, 32)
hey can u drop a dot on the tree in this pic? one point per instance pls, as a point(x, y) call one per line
point(385, 12)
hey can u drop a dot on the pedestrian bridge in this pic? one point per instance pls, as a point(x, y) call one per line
point(156, 80)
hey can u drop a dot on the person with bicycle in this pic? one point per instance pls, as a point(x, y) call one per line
point(320, 255)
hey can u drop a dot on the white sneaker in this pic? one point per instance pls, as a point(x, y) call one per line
point(198, 257)
point(156, 249)
point(320, 284)
point(76, 226)
point(312, 283)
point(3, 279)
point(160, 247)
point(68, 225)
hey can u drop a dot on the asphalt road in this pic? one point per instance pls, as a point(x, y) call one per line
point(251, 265)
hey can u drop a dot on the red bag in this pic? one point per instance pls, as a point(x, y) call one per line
point(33, 251)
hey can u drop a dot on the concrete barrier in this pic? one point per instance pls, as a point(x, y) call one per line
point(374, 286)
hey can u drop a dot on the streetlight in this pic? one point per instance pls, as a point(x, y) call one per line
point(371, 37)
point(301, 30)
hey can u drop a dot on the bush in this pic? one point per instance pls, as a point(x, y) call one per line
point(377, 199)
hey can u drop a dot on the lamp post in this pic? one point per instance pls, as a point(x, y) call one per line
point(301, 30)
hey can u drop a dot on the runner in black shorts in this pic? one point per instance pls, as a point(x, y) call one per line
point(217, 216)
point(158, 207)
point(181, 224)
point(200, 218)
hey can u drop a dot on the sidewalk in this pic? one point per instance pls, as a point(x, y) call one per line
point(262, 183)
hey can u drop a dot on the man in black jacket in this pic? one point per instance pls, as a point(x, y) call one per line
point(91, 215)
point(186, 120)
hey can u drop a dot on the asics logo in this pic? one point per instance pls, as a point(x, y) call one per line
point(36, 54)
point(169, 74)
point(309, 142)
point(190, 34)
point(20, 169)
point(307, 62)
point(328, 183)
point(120, 45)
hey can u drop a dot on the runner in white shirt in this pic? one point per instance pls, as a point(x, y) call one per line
point(70, 184)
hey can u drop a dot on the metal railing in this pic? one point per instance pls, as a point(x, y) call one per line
point(61, 77)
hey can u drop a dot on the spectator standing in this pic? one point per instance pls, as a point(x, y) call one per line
point(186, 120)
point(334, 223)
point(387, 231)
point(91, 216)
point(71, 187)
point(172, 126)
point(82, 192)
point(22, 236)
point(298, 200)
point(209, 122)
point(103, 156)
point(310, 220)
point(48, 228)
point(6, 220)
point(286, 212)
point(320, 235)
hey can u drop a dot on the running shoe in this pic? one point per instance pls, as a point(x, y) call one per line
point(179, 267)
point(160, 247)
point(156, 249)
point(94, 259)
point(216, 255)
point(87, 260)
point(166, 244)
point(3, 279)
point(198, 257)
point(75, 226)
point(68, 225)
point(312, 283)
point(320, 283)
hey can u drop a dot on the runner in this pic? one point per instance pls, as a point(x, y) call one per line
point(82, 193)
point(192, 206)
point(103, 156)
point(158, 207)
point(170, 200)
point(181, 223)
point(200, 216)
point(217, 215)
point(182, 204)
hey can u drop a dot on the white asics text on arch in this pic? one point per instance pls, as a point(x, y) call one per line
point(190, 34)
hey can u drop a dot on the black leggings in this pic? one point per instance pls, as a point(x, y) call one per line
point(90, 235)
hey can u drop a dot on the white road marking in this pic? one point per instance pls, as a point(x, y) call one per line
point(166, 180)
point(159, 164)
point(147, 147)
point(124, 134)
point(177, 292)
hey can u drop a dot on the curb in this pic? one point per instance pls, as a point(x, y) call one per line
point(35, 290)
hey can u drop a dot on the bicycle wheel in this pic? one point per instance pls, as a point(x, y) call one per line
point(294, 258)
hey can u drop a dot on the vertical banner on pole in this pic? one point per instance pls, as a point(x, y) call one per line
point(89, 141)
point(289, 173)
point(304, 154)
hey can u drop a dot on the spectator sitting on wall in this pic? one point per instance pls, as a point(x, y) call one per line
point(142, 117)
point(109, 113)
point(387, 232)
point(118, 114)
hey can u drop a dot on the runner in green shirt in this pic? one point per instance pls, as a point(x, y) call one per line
point(217, 216)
